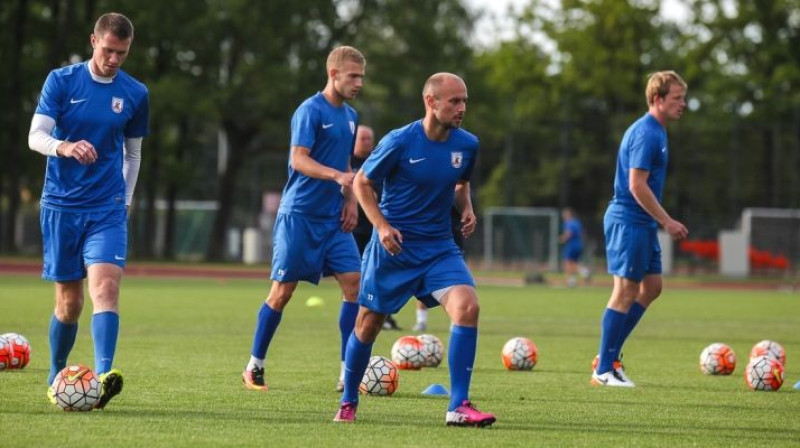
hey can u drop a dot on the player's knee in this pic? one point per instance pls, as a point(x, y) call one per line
point(68, 311)
point(106, 291)
point(69, 304)
point(367, 330)
point(278, 301)
point(466, 312)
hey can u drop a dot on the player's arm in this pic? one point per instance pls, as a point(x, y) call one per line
point(565, 236)
point(349, 215)
point(647, 200)
point(390, 237)
point(130, 166)
point(41, 140)
point(301, 161)
point(463, 200)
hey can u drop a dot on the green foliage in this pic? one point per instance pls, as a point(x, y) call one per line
point(183, 344)
point(549, 105)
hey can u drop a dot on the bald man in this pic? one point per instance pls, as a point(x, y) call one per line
point(412, 252)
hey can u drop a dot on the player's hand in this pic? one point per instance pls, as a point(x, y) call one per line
point(391, 239)
point(82, 151)
point(345, 179)
point(676, 230)
point(349, 215)
point(468, 222)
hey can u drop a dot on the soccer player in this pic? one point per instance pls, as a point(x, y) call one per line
point(317, 212)
point(90, 122)
point(632, 219)
point(572, 239)
point(412, 250)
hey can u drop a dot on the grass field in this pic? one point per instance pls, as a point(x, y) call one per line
point(184, 342)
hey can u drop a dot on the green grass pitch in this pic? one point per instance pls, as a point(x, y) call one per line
point(184, 342)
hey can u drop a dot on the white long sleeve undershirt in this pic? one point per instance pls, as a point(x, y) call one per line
point(41, 140)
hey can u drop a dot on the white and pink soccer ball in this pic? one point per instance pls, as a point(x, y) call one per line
point(15, 351)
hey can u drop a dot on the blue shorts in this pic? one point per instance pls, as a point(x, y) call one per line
point(73, 241)
point(388, 282)
point(572, 252)
point(632, 251)
point(308, 250)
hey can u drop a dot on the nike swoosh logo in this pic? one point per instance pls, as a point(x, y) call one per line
point(76, 375)
point(117, 257)
point(74, 101)
point(413, 161)
point(326, 126)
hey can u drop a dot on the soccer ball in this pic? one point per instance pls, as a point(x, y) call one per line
point(435, 349)
point(6, 353)
point(717, 359)
point(20, 351)
point(769, 348)
point(380, 378)
point(408, 353)
point(764, 373)
point(519, 354)
point(76, 388)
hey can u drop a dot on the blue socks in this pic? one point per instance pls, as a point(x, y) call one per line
point(632, 318)
point(267, 323)
point(62, 338)
point(105, 330)
point(347, 321)
point(613, 324)
point(355, 364)
point(460, 358)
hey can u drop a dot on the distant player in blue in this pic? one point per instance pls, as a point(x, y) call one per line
point(412, 252)
point(631, 222)
point(572, 239)
point(311, 237)
point(90, 122)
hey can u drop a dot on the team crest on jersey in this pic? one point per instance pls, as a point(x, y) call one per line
point(117, 104)
point(456, 158)
point(352, 127)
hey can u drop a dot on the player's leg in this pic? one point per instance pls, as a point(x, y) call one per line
point(64, 324)
point(570, 270)
point(422, 317)
point(649, 289)
point(359, 348)
point(461, 304)
point(104, 253)
point(343, 259)
point(267, 322)
point(612, 325)
point(348, 282)
point(626, 252)
point(385, 288)
point(62, 263)
point(104, 280)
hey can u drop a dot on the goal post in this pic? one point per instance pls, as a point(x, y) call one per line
point(773, 231)
point(526, 236)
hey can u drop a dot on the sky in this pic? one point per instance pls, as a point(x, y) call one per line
point(496, 16)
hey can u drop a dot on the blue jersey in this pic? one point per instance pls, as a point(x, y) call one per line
point(329, 132)
point(644, 147)
point(102, 114)
point(419, 178)
point(575, 229)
